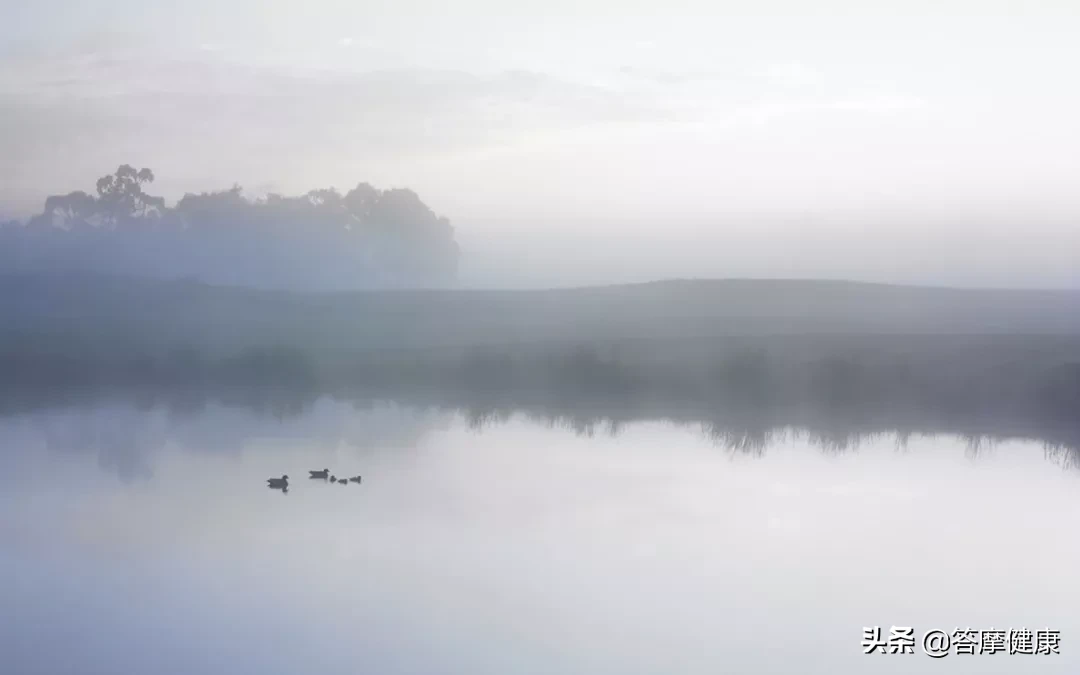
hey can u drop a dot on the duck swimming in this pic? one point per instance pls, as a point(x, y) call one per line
point(320, 474)
point(282, 482)
point(333, 479)
point(354, 479)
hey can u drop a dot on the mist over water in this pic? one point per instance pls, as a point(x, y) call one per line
point(669, 339)
point(143, 539)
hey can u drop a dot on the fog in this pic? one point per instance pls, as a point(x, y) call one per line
point(917, 248)
point(666, 337)
point(901, 142)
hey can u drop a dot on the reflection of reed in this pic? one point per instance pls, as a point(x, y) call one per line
point(123, 442)
point(837, 391)
point(1068, 458)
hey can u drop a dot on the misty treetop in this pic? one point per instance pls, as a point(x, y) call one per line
point(365, 237)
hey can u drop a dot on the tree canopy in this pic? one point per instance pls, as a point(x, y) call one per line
point(387, 233)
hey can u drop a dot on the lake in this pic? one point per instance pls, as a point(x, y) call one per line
point(143, 539)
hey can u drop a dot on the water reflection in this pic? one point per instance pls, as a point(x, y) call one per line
point(125, 432)
point(140, 540)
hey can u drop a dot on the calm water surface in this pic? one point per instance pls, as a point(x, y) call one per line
point(139, 541)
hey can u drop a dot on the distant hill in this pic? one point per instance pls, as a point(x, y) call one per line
point(815, 354)
point(195, 313)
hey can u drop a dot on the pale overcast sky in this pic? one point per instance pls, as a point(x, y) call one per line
point(654, 138)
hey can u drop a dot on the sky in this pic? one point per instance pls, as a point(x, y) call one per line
point(892, 141)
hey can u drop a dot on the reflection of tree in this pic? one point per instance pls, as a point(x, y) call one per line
point(1068, 458)
point(225, 423)
point(741, 441)
point(743, 397)
point(123, 439)
point(126, 433)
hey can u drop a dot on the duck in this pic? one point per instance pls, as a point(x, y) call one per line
point(333, 479)
point(343, 482)
point(282, 482)
point(355, 479)
point(320, 474)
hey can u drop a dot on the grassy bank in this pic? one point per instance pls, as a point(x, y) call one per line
point(1025, 386)
point(766, 354)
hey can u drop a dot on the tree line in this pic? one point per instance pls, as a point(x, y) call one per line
point(834, 391)
point(362, 234)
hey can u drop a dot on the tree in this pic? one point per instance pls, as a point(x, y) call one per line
point(360, 201)
point(70, 211)
point(327, 198)
point(121, 198)
point(319, 237)
point(211, 210)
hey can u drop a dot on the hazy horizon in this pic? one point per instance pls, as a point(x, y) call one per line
point(253, 253)
point(902, 143)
